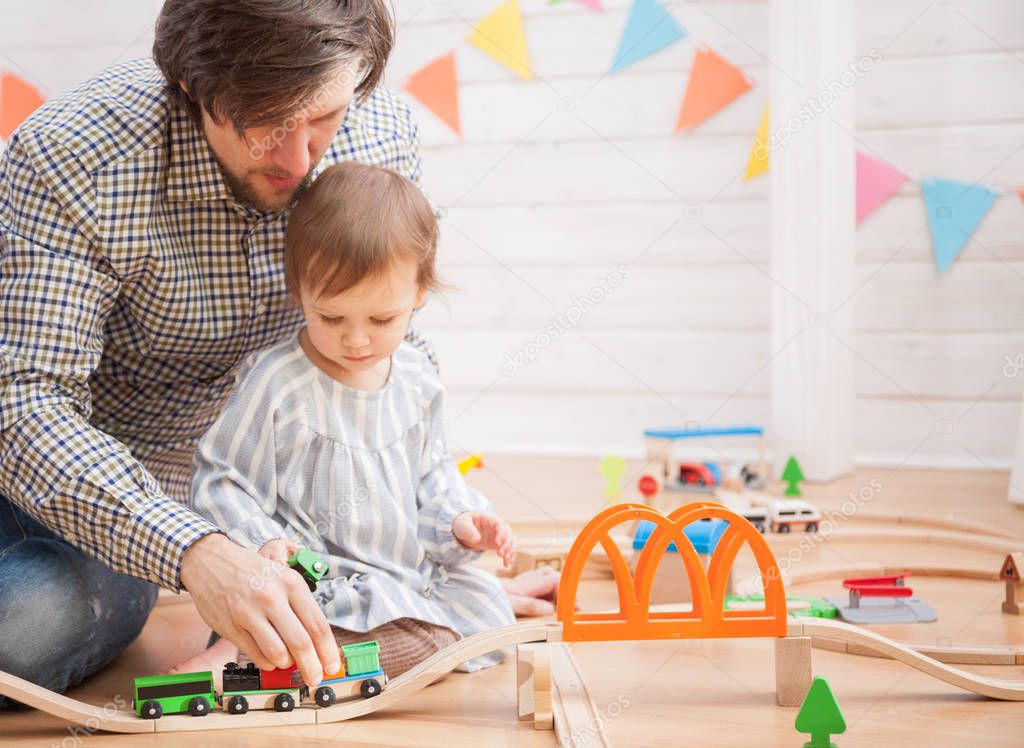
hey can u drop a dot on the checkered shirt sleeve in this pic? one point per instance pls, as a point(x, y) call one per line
point(57, 293)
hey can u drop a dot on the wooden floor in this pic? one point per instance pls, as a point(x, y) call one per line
point(668, 693)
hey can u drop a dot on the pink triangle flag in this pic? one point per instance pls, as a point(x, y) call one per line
point(592, 4)
point(876, 181)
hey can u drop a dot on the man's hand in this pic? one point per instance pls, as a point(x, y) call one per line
point(260, 605)
point(279, 549)
point(485, 532)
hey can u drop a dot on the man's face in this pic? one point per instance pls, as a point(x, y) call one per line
point(268, 167)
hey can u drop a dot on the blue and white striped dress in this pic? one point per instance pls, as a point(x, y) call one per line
point(363, 478)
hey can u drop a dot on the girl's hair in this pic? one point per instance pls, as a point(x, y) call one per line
point(353, 223)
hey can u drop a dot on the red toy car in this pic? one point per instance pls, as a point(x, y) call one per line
point(695, 474)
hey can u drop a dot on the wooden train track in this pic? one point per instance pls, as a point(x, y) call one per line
point(994, 688)
point(781, 542)
point(113, 719)
point(951, 655)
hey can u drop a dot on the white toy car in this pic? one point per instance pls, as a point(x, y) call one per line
point(785, 515)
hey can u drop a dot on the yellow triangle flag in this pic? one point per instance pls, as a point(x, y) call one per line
point(501, 36)
point(758, 163)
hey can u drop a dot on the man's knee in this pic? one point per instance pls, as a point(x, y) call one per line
point(64, 615)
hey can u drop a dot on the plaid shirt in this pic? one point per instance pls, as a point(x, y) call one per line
point(133, 283)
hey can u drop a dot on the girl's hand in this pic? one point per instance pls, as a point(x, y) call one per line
point(485, 532)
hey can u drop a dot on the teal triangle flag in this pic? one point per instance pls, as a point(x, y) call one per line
point(954, 211)
point(649, 28)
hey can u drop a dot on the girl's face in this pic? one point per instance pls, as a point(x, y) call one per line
point(358, 329)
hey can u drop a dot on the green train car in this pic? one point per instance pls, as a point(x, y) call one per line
point(309, 565)
point(156, 695)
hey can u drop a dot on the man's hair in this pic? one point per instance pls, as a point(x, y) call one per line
point(353, 223)
point(255, 62)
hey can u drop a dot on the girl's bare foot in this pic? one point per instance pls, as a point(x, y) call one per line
point(212, 659)
point(534, 592)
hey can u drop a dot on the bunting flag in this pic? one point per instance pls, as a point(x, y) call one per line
point(714, 83)
point(436, 87)
point(649, 29)
point(592, 4)
point(876, 182)
point(18, 100)
point(954, 211)
point(758, 162)
point(501, 36)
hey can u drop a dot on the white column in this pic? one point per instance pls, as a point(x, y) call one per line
point(812, 187)
point(1017, 473)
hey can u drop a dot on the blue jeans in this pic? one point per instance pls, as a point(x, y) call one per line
point(63, 614)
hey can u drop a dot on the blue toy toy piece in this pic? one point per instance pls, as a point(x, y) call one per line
point(700, 432)
point(704, 534)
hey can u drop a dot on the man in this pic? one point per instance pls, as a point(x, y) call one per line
point(142, 218)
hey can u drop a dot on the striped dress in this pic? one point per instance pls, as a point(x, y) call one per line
point(363, 478)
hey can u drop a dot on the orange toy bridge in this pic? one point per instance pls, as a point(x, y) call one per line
point(708, 618)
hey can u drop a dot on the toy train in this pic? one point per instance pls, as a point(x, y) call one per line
point(762, 511)
point(250, 687)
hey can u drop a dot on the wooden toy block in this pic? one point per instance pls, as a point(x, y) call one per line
point(533, 685)
point(792, 669)
point(671, 582)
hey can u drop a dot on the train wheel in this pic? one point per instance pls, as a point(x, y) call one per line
point(151, 710)
point(284, 702)
point(369, 688)
point(324, 696)
point(238, 705)
point(198, 707)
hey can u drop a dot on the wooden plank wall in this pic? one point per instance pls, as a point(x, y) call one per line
point(558, 182)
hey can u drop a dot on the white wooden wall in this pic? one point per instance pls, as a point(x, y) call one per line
point(559, 181)
point(542, 202)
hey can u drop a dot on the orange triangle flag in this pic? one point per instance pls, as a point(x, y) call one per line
point(436, 86)
point(714, 83)
point(18, 99)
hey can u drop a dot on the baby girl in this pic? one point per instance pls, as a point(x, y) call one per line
point(334, 439)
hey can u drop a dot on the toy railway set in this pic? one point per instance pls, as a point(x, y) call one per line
point(537, 696)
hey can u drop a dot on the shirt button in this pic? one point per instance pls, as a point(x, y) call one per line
point(261, 309)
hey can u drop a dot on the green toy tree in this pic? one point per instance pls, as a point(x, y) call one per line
point(792, 475)
point(820, 715)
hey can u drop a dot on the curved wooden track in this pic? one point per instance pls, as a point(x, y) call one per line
point(781, 542)
point(113, 719)
point(994, 688)
point(950, 655)
point(961, 525)
point(442, 663)
point(120, 720)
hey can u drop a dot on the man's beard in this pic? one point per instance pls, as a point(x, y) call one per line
point(247, 193)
